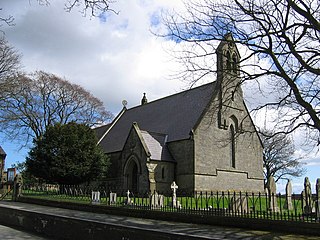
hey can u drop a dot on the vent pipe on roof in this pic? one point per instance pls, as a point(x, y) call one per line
point(144, 99)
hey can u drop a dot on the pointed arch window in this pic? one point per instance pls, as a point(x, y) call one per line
point(234, 63)
point(232, 146)
point(228, 60)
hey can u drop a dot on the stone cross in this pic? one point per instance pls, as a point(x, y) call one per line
point(128, 197)
point(288, 202)
point(308, 195)
point(272, 192)
point(318, 199)
point(174, 188)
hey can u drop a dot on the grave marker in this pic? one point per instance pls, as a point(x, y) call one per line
point(174, 188)
point(307, 197)
point(239, 204)
point(129, 201)
point(272, 192)
point(156, 200)
point(112, 198)
point(288, 202)
point(95, 197)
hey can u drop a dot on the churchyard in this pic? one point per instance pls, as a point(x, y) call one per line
point(269, 205)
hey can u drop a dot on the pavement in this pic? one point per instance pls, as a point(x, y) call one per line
point(182, 229)
point(8, 233)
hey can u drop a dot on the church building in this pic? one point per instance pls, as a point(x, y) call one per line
point(203, 138)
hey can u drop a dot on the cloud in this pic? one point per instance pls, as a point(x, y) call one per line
point(115, 57)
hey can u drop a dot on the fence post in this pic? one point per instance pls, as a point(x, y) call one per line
point(318, 200)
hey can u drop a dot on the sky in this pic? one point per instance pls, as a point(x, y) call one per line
point(116, 57)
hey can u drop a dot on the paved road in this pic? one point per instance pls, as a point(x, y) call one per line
point(7, 233)
point(204, 231)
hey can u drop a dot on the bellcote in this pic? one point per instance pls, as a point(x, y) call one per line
point(228, 57)
point(229, 81)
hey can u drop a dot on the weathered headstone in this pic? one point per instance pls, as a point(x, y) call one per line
point(239, 204)
point(112, 198)
point(318, 199)
point(288, 202)
point(308, 197)
point(272, 194)
point(156, 200)
point(174, 188)
point(95, 197)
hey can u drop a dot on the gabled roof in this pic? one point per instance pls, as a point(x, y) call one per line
point(156, 144)
point(99, 131)
point(174, 116)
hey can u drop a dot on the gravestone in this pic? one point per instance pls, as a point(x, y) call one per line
point(307, 209)
point(318, 199)
point(288, 202)
point(272, 194)
point(239, 204)
point(129, 201)
point(174, 188)
point(303, 201)
point(112, 198)
point(95, 197)
point(156, 200)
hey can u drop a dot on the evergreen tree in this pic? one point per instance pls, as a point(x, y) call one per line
point(67, 154)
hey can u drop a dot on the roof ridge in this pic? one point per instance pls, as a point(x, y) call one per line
point(175, 94)
point(155, 133)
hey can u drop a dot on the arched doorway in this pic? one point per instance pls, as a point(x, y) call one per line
point(134, 178)
point(131, 172)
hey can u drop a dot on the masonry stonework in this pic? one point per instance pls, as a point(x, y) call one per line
point(203, 138)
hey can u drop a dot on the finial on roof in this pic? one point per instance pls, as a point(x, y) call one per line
point(124, 103)
point(144, 99)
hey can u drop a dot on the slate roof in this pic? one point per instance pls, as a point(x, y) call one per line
point(174, 116)
point(99, 131)
point(156, 144)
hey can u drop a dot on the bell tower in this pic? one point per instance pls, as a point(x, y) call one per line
point(228, 81)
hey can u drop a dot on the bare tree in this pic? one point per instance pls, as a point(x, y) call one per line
point(29, 104)
point(281, 39)
point(93, 7)
point(6, 19)
point(9, 60)
point(278, 157)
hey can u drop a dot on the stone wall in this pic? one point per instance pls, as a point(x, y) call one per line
point(214, 169)
point(133, 151)
point(164, 176)
point(183, 152)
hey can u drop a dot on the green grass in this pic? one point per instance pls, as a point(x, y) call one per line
point(259, 205)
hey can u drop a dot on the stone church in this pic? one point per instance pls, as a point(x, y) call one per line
point(202, 138)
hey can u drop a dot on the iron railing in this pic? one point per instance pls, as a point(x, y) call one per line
point(236, 204)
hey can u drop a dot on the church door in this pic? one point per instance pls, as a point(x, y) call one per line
point(134, 178)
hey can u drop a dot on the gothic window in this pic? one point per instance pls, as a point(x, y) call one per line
point(232, 146)
point(234, 63)
point(228, 60)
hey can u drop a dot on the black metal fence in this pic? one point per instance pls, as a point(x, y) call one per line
point(296, 207)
